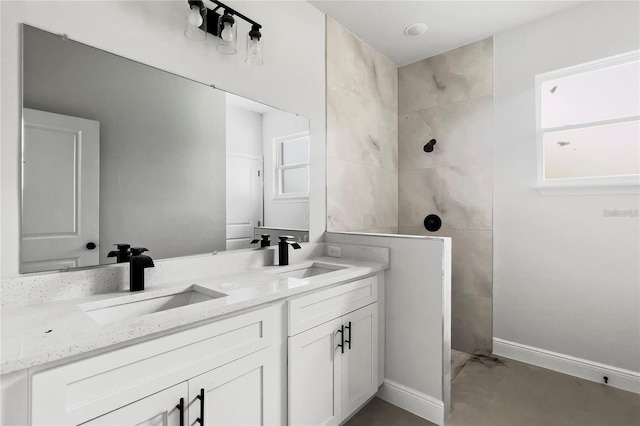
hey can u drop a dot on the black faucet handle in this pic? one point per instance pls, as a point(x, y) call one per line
point(123, 249)
point(288, 239)
point(137, 251)
point(265, 242)
point(122, 254)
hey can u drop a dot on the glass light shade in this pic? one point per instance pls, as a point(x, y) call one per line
point(228, 36)
point(196, 23)
point(254, 51)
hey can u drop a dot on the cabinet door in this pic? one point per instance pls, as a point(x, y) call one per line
point(360, 358)
point(315, 376)
point(242, 392)
point(159, 409)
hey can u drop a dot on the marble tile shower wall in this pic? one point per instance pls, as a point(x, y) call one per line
point(448, 97)
point(362, 135)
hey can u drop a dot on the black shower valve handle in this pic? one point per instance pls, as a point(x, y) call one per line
point(432, 223)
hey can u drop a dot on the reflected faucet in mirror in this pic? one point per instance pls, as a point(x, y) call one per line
point(122, 254)
point(264, 241)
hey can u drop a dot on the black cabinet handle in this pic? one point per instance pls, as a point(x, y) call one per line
point(91, 245)
point(180, 408)
point(201, 398)
point(341, 345)
point(348, 327)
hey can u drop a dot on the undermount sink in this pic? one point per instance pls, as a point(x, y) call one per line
point(135, 308)
point(311, 271)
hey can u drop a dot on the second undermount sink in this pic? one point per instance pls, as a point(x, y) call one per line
point(311, 271)
point(125, 309)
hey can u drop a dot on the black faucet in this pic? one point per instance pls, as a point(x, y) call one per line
point(122, 254)
point(137, 264)
point(265, 242)
point(283, 249)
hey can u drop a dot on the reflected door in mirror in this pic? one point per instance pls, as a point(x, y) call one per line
point(244, 199)
point(60, 167)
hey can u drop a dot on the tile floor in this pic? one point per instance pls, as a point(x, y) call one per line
point(511, 393)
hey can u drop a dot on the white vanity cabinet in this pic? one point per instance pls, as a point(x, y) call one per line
point(333, 358)
point(159, 409)
point(233, 361)
point(243, 392)
point(312, 359)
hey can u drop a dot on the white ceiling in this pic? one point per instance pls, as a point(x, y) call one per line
point(452, 24)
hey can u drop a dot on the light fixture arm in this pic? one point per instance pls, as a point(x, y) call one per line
point(213, 15)
point(234, 12)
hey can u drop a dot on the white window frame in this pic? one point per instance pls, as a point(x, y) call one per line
point(279, 168)
point(583, 185)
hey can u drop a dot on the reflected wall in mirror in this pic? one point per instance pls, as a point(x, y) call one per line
point(115, 151)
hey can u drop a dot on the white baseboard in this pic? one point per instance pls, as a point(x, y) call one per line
point(578, 367)
point(413, 401)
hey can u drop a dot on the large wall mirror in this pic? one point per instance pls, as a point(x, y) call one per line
point(115, 151)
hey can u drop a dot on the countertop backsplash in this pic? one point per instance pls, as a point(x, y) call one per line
point(49, 286)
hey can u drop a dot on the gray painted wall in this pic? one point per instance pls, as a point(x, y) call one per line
point(565, 276)
point(162, 144)
point(244, 131)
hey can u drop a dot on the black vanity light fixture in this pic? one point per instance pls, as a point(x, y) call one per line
point(201, 20)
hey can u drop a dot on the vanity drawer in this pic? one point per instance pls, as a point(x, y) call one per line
point(82, 390)
point(316, 308)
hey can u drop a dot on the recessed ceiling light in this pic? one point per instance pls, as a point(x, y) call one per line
point(416, 29)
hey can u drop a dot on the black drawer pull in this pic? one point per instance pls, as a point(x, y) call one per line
point(341, 345)
point(180, 408)
point(201, 398)
point(348, 327)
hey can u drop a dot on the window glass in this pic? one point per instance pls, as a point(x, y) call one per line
point(588, 126)
point(586, 97)
point(599, 151)
point(295, 151)
point(295, 181)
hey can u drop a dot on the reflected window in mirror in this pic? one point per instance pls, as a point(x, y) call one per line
point(292, 166)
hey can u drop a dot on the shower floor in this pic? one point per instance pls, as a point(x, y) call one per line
point(458, 361)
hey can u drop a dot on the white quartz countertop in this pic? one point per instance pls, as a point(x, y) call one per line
point(44, 332)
